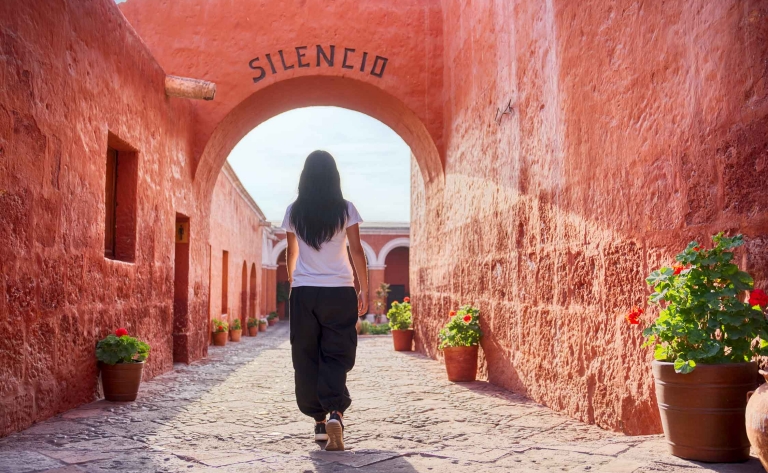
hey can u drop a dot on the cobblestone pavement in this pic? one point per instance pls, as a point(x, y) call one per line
point(235, 412)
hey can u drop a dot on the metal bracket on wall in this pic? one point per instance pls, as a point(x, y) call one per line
point(508, 110)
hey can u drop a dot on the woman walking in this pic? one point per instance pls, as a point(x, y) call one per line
point(324, 305)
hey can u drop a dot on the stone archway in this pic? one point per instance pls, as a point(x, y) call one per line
point(389, 246)
point(265, 65)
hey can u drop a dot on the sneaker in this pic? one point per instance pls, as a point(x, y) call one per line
point(320, 434)
point(335, 429)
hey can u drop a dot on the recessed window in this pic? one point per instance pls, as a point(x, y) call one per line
point(121, 179)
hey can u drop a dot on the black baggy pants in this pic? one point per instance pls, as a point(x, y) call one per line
point(323, 346)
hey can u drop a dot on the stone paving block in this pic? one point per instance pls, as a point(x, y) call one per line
point(620, 465)
point(356, 459)
point(612, 449)
point(217, 428)
point(480, 455)
point(22, 461)
point(539, 421)
point(76, 456)
point(109, 444)
point(66, 469)
point(82, 413)
point(219, 458)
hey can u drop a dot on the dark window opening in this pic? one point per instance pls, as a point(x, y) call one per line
point(120, 203)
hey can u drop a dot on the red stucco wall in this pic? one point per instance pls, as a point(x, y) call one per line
point(235, 229)
point(636, 128)
point(71, 74)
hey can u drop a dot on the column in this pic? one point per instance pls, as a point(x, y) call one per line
point(271, 292)
point(263, 293)
point(375, 278)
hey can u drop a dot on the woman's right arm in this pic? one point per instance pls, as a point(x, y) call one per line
point(360, 265)
point(292, 254)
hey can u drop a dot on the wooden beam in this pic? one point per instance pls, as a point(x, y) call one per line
point(187, 88)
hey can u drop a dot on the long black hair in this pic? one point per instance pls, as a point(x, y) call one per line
point(320, 210)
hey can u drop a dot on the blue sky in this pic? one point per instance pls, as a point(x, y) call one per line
point(373, 160)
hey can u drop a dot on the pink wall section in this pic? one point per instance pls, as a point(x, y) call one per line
point(636, 127)
point(235, 229)
point(73, 72)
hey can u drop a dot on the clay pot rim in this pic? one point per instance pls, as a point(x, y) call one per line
point(402, 330)
point(706, 366)
point(133, 363)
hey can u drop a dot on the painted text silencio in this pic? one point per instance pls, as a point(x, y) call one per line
point(349, 59)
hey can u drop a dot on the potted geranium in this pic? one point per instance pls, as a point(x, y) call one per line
point(459, 340)
point(121, 360)
point(272, 318)
point(400, 322)
point(220, 332)
point(705, 340)
point(235, 330)
point(263, 324)
point(253, 326)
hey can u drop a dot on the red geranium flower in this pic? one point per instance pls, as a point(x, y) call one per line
point(407, 299)
point(221, 328)
point(467, 319)
point(678, 268)
point(634, 316)
point(696, 248)
point(452, 313)
point(120, 332)
point(758, 297)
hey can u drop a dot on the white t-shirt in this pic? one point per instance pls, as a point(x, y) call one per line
point(329, 266)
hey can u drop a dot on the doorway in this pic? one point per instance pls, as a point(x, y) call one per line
point(181, 290)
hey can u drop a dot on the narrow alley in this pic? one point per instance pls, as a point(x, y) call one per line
point(235, 412)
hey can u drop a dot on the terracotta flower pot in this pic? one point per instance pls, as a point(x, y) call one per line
point(121, 381)
point(272, 322)
point(402, 339)
point(262, 327)
point(703, 412)
point(235, 334)
point(253, 331)
point(220, 338)
point(757, 420)
point(461, 363)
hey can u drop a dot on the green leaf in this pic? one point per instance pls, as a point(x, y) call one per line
point(655, 277)
point(742, 281)
point(661, 353)
point(658, 296)
point(684, 366)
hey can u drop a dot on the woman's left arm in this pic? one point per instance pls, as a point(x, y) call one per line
point(292, 254)
point(360, 265)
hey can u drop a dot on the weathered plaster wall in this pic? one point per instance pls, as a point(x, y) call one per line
point(235, 228)
point(71, 73)
point(636, 128)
